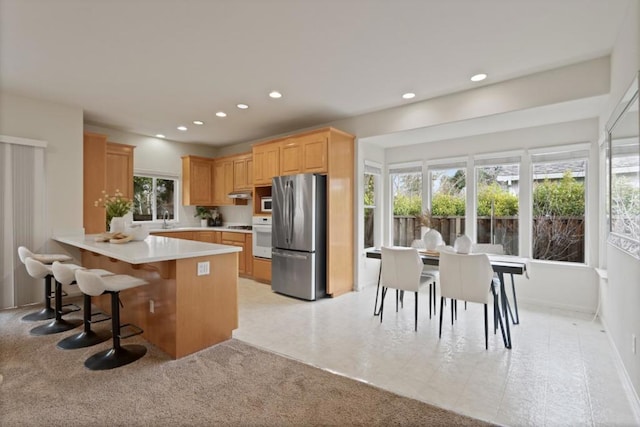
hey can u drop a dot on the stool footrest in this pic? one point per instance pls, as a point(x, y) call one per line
point(131, 330)
point(70, 308)
point(99, 317)
point(52, 296)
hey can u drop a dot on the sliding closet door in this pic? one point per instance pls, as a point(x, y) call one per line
point(22, 221)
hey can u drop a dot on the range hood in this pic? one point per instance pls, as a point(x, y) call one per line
point(243, 194)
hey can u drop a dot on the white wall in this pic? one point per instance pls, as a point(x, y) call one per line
point(620, 296)
point(61, 126)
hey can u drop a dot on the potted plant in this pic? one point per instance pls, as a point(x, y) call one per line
point(116, 207)
point(204, 213)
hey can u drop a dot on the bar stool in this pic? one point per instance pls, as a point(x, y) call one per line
point(38, 270)
point(47, 312)
point(93, 284)
point(65, 274)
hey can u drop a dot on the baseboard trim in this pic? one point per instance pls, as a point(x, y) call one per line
point(632, 394)
point(549, 304)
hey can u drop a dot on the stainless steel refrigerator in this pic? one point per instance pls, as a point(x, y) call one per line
point(298, 238)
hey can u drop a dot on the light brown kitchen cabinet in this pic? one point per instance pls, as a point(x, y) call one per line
point(197, 181)
point(207, 236)
point(248, 251)
point(186, 235)
point(243, 172)
point(304, 154)
point(119, 169)
point(236, 239)
point(223, 179)
point(324, 151)
point(262, 270)
point(107, 166)
point(266, 162)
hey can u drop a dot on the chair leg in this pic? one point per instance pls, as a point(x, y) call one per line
point(441, 310)
point(47, 312)
point(430, 296)
point(86, 338)
point(452, 304)
point(384, 293)
point(455, 308)
point(465, 305)
point(117, 355)
point(375, 304)
point(486, 328)
point(397, 294)
point(416, 328)
point(516, 321)
point(58, 324)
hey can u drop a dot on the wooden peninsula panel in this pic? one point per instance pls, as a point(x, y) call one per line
point(179, 311)
point(190, 312)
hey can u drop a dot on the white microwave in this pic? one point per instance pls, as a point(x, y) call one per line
point(266, 204)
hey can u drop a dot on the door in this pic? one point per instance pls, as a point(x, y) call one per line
point(293, 273)
point(294, 212)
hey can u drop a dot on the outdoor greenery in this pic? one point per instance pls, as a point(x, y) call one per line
point(145, 189)
point(504, 203)
point(559, 198)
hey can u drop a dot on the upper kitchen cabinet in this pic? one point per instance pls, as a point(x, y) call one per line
point(120, 169)
point(304, 154)
point(266, 162)
point(108, 167)
point(197, 181)
point(243, 172)
point(224, 181)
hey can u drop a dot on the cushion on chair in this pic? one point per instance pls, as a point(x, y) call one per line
point(36, 269)
point(24, 253)
point(65, 273)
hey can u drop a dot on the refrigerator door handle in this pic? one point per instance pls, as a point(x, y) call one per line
point(291, 211)
point(288, 255)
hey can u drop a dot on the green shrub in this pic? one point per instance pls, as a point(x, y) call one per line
point(504, 203)
point(559, 198)
point(407, 206)
point(448, 205)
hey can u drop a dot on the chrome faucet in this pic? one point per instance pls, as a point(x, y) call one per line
point(165, 217)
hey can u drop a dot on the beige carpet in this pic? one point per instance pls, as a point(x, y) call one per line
point(232, 383)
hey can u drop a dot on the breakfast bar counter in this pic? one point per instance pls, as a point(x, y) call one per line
point(191, 301)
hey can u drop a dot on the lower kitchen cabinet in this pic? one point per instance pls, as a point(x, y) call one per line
point(262, 269)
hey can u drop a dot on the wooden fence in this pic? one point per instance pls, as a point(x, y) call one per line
point(556, 238)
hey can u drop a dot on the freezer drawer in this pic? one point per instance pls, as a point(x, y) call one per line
point(297, 274)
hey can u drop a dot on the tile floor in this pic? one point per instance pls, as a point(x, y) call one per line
point(560, 372)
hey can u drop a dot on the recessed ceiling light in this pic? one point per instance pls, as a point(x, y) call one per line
point(198, 122)
point(275, 94)
point(242, 106)
point(478, 77)
point(182, 128)
point(159, 135)
point(221, 114)
point(409, 95)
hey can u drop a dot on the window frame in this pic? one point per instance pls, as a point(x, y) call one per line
point(176, 194)
point(581, 151)
point(374, 169)
point(398, 169)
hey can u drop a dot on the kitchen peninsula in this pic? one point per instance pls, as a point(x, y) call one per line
point(191, 302)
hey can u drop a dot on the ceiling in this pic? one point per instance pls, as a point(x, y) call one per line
point(148, 66)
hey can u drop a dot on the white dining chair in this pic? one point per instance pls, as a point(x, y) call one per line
point(498, 249)
point(401, 269)
point(467, 277)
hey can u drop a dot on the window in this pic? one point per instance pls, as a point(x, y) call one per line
point(448, 189)
point(154, 197)
point(371, 197)
point(497, 202)
point(406, 191)
point(558, 222)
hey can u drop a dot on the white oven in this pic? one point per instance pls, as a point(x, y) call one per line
point(262, 236)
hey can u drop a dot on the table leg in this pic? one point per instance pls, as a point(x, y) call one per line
point(504, 309)
point(376, 312)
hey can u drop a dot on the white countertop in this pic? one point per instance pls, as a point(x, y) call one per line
point(151, 249)
point(169, 230)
